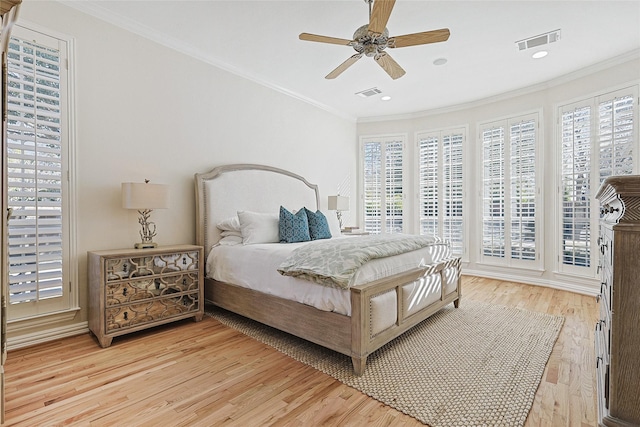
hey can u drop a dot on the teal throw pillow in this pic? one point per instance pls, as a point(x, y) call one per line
point(293, 227)
point(318, 225)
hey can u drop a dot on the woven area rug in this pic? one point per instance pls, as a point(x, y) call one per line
point(478, 365)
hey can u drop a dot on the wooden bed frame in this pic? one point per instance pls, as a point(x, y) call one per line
point(224, 190)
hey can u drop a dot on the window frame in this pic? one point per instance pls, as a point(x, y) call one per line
point(593, 101)
point(507, 261)
point(440, 134)
point(24, 316)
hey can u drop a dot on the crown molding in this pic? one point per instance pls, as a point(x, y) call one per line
point(147, 32)
point(566, 78)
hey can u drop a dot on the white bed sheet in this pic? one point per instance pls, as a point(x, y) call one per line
point(255, 267)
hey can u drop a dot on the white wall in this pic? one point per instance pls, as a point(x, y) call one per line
point(548, 97)
point(146, 111)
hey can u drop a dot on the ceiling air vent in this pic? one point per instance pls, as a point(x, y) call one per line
point(369, 92)
point(540, 40)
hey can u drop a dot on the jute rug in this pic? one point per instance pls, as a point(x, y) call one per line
point(478, 365)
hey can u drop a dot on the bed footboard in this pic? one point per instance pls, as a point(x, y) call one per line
point(384, 309)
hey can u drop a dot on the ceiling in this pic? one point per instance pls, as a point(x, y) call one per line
point(259, 40)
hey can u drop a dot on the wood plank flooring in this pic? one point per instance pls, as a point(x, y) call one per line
point(205, 374)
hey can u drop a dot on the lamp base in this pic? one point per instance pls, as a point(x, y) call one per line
point(146, 245)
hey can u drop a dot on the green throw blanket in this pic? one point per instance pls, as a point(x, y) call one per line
point(334, 262)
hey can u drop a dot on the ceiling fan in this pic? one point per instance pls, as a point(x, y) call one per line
point(373, 38)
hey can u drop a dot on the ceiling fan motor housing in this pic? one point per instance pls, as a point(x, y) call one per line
point(368, 44)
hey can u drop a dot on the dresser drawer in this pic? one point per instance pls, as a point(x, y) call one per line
point(185, 281)
point(125, 292)
point(177, 262)
point(150, 311)
point(127, 268)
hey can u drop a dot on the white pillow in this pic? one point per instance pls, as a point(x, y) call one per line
point(230, 240)
point(334, 225)
point(229, 224)
point(259, 227)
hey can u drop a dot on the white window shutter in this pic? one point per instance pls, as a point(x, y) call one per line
point(383, 195)
point(493, 192)
point(575, 124)
point(35, 171)
point(441, 186)
point(615, 135)
point(598, 138)
point(523, 189)
point(509, 191)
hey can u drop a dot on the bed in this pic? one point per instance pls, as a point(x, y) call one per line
point(358, 320)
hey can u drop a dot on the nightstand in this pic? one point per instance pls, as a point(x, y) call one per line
point(135, 289)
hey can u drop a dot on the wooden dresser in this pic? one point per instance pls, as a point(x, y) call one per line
point(617, 334)
point(134, 289)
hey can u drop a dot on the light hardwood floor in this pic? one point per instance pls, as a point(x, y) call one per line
point(205, 374)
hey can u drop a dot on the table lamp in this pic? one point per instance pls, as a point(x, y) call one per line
point(145, 197)
point(338, 203)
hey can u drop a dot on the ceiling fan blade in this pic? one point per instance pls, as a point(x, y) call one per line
point(324, 39)
point(380, 15)
point(425, 37)
point(389, 65)
point(346, 64)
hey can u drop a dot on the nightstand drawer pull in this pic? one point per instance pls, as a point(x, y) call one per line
point(124, 292)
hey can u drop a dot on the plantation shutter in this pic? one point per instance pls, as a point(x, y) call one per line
point(394, 193)
point(615, 135)
point(373, 187)
point(441, 186)
point(598, 138)
point(510, 191)
point(493, 192)
point(383, 195)
point(429, 168)
point(35, 169)
point(576, 185)
point(523, 189)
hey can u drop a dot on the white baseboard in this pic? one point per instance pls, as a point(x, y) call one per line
point(26, 340)
point(576, 287)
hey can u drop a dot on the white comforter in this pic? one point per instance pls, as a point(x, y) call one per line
point(255, 267)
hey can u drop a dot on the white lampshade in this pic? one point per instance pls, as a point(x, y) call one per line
point(142, 195)
point(338, 203)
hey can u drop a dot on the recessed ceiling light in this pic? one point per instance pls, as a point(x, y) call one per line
point(540, 54)
point(385, 98)
point(440, 61)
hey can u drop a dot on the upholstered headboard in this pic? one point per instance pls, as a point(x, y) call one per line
point(225, 190)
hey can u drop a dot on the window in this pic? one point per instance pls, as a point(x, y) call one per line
point(510, 191)
point(596, 141)
point(383, 184)
point(37, 171)
point(441, 186)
